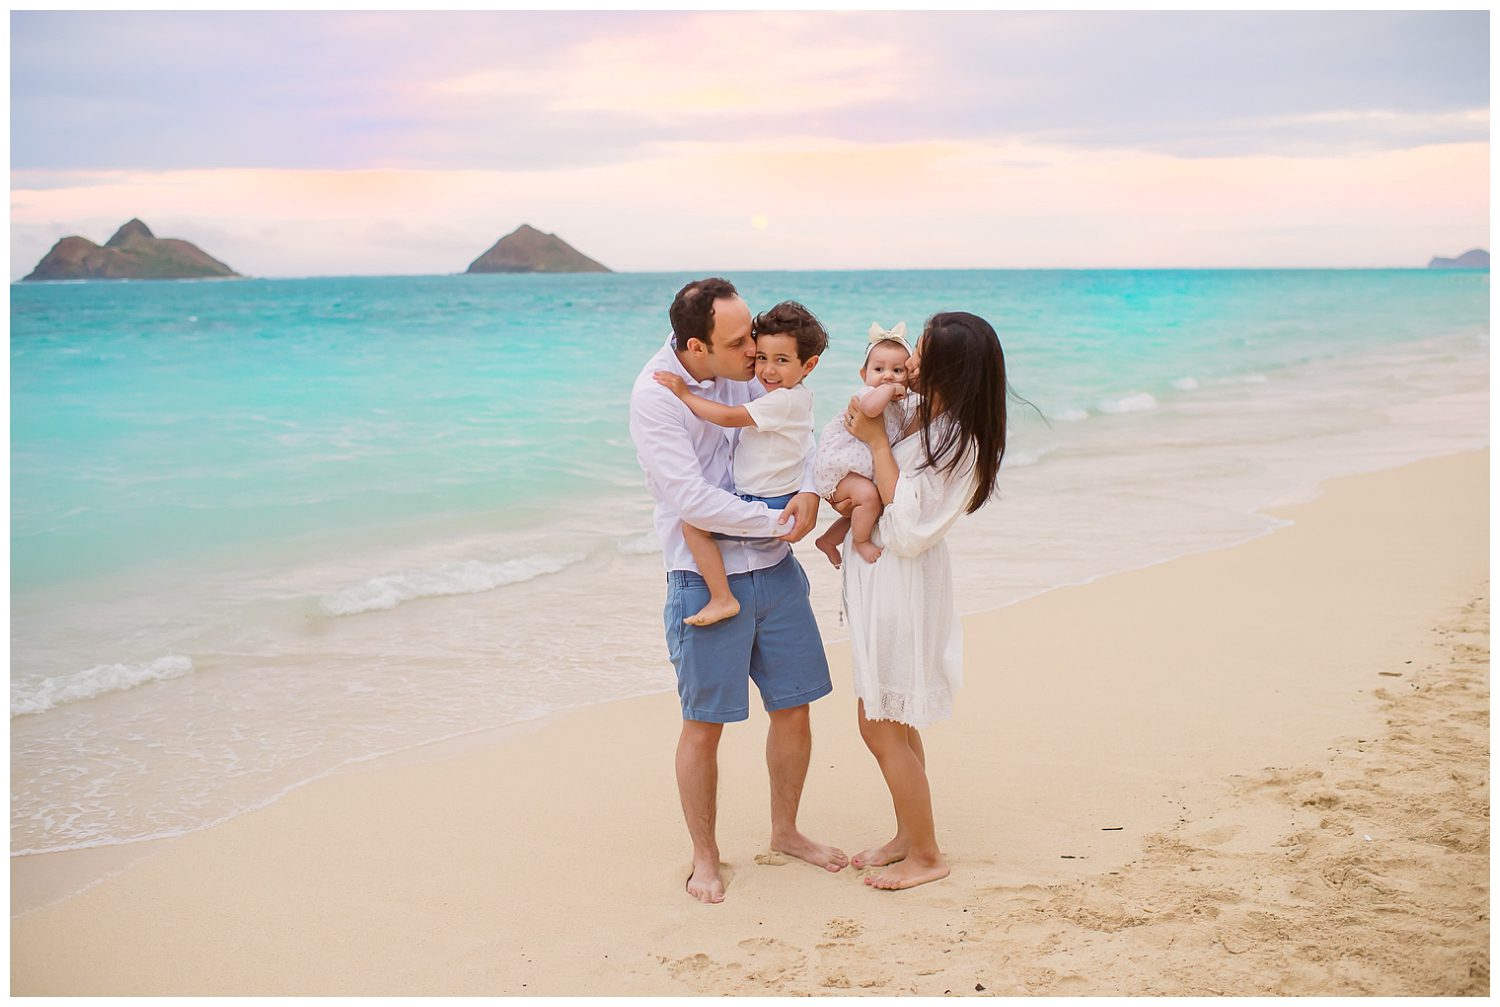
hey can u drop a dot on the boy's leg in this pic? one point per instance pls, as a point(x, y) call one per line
point(721, 601)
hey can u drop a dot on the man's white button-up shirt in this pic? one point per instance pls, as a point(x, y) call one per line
point(690, 474)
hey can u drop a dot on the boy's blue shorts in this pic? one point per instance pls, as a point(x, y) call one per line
point(773, 641)
point(775, 503)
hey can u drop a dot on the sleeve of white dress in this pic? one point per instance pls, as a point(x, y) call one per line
point(925, 506)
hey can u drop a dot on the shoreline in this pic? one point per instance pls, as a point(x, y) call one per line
point(96, 851)
point(1123, 780)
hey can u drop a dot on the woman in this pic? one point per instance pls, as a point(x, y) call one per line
point(906, 639)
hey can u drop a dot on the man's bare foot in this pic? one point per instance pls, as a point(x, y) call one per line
point(909, 874)
point(705, 883)
point(880, 856)
point(830, 550)
point(869, 550)
point(714, 611)
point(830, 858)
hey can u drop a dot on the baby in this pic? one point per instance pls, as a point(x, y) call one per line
point(773, 450)
point(845, 470)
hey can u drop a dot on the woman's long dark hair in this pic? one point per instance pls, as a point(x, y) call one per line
point(962, 372)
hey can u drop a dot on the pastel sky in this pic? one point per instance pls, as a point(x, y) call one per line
point(293, 144)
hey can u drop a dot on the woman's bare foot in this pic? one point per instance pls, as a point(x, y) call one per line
point(714, 611)
point(829, 549)
point(909, 873)
point(869, 550)
point(880, 856)
point(830, 858)
point(706, 884)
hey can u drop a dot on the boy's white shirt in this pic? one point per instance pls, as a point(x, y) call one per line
point(772, 455)
point(688, 467)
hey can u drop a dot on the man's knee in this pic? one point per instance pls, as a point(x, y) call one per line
point(700, 735)
point(792, 719)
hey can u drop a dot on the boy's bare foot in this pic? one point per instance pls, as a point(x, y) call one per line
point(714, 611)
point(909, 874)
point(830, 858)
point(880, 856)
point(705, 883)
point(869, 550)
point(831, 551)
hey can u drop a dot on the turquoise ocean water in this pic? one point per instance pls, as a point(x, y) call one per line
point(262, 529)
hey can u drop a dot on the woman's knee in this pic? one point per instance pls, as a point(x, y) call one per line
point(882, 736)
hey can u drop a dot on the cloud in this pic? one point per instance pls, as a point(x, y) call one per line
point(529, 91)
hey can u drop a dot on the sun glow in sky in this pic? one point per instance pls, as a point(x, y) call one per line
point(365, 143)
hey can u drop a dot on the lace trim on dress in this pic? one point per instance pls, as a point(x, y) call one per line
point(907, 708)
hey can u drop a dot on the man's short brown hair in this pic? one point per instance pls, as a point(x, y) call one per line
point(692, 310)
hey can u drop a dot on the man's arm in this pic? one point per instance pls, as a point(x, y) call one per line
point(706, 410)
point(675, 476)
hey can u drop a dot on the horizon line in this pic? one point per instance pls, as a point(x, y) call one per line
point(823, 269)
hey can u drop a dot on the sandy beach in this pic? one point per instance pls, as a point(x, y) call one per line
point(1258, 770)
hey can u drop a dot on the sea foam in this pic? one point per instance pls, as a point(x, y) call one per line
point(57, 690)
point(1143, 402)
point(468, 577)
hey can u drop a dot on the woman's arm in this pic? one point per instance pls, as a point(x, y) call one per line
point(708, 411)
point(920, 506)
point(871, 430)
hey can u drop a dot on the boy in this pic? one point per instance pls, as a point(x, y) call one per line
point(773, 450)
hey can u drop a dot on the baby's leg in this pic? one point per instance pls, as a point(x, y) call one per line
point(721, 601)
point(867, 509)
point(831, 539)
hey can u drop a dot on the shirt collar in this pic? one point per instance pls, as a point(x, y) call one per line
point(674, 363)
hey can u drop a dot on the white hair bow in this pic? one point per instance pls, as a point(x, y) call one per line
point(895, 334)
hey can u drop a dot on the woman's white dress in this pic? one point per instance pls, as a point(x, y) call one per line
point(905, 636)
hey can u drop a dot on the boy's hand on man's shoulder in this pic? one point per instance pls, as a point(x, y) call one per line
point(671, 382)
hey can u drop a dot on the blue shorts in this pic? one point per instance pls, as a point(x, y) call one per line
point(774, 503)
point(773, 641)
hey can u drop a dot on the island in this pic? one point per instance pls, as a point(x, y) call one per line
point(1474, 258)
point(134, 253)
point(527, 250)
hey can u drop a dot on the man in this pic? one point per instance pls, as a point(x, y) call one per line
point(774, 639)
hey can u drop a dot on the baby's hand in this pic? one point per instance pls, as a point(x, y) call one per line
point(898, 393)
point(672, 382)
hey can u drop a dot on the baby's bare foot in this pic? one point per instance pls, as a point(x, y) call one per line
point(827, 547)
point(714, 611)
point(869, 550)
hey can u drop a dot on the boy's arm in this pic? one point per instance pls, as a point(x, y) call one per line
point(873, 404)
point(706, 410)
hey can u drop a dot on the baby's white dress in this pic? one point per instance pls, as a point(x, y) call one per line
point(905, 637)
point(840, 452)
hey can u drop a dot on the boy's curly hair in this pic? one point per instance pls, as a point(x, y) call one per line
point(791, 318)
